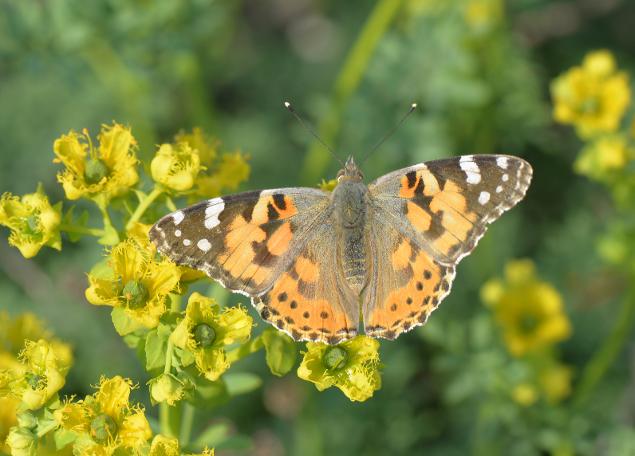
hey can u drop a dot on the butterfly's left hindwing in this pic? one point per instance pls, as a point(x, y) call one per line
point(244, 241)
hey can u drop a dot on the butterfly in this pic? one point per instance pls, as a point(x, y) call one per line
point(318, 265)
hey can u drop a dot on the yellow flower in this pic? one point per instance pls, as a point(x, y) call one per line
point(107, 171)
point(164, 446)
point(176, 166)
point(205, 331)
point(218, 175)
point(327, 185)
point(525, 394)
point(601, 157)
point(555, 382)
point(352, 366)
point(135, 282)
point(106, 421)
point(8, 418)
point(22, 442)
point(169, 446)
point(482, 14)
point(43, 375)
point(528, 310)
point(593, 97)
point(32, 220)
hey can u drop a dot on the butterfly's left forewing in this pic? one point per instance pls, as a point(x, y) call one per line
point(244, 241)
point(432, 214)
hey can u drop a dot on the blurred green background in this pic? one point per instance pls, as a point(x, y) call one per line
point(480, 72)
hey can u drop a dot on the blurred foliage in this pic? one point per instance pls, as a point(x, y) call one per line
point(489, 76)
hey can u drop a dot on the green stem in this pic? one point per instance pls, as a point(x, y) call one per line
point(608, 352)
point(244, 350)
point(97, 232)
point(347, 83)
point(109, 228)
point(170, 419)
point(187, 421)
point(144, 205)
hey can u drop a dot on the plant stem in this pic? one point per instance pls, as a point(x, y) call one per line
point(187, 420)
point(608, 352)
point(81, 230)
point(346, 83)
point(143, 206)
point(170, 419)
point(244, 350)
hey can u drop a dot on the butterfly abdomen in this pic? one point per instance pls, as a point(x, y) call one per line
point(349, 200)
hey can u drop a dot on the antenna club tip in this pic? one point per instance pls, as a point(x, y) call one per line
point(287, 104)
point(413, 105)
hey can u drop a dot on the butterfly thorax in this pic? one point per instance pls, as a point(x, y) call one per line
point(350, 205)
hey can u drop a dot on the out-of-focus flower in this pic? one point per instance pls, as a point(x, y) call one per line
point(8, 417)
point(220, 174)
point(555, 382)
point(169, 446)
point(352, 366)
point(176, 166)
point(525, 394)
point(603, 156)
point(106, 422)
point(206, 331)
point(32, 220)
point(482, 14)
point(43, 375)
point(328, 185)
point(529, 311)
point(134, 281)
point(108, 171)
point(593, 97)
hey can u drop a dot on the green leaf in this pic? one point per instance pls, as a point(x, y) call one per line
point(206, 394)
point(110, 237)
point(156, 346)
point(212, 436)
point(281, 352)
point(123, 324)
point(241, 383)
point(63, 437)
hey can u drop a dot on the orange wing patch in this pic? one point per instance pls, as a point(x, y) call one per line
point(304, 303)
point(426, 283)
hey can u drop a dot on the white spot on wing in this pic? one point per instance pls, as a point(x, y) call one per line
point(499, 189)
point(505, 177)
point(471, 169)
point(187, 242)
point(502, 162)
point(483, 198)
point(204, 245)
point(178, 217)
point(213, 210)
point(177, 233)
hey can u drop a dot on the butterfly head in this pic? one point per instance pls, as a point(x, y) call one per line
point(350, 171)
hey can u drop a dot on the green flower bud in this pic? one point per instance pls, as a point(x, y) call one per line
point(135, 293)
point(204, 335)
point(102, 427)
point(95, 171)
point(335, 358)
point(26, 420)
point(22, 442)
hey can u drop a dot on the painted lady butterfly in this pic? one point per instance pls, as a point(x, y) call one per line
point(315, 262)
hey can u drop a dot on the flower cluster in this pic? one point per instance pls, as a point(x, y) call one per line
point(352, 366)
point(33, 221)
point(103, 172)
point(593, 97)
point(135, 282)
point(530, 314)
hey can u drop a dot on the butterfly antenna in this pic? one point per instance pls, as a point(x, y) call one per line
point(311, 131)
point(413, 106)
